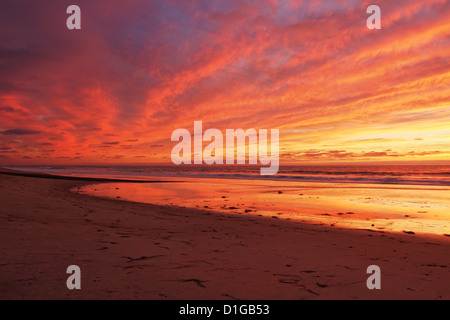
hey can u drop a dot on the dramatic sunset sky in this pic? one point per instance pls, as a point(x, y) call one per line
point(114, 91)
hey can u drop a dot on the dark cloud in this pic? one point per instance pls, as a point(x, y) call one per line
point(7, 109)
point(111, 143)
point(423, 153)
point(375, 154)
point(342, 154)
point(20, 132)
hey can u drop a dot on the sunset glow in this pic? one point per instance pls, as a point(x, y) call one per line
point(114, 91)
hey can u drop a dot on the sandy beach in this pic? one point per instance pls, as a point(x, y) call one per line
point(129, 250)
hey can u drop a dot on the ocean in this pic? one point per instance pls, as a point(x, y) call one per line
point(433, 175)
point(406, 198)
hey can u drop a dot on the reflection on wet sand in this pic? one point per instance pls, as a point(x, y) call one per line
point(399, 208)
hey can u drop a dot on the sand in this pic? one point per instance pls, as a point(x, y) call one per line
point(130, 250)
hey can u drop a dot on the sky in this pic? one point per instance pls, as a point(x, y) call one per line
point(114, 91)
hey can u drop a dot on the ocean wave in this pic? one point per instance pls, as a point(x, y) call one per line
point(398, 175)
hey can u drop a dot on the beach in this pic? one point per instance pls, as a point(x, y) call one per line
point(131, 250)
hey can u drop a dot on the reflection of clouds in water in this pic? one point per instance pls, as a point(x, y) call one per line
point(379, 208)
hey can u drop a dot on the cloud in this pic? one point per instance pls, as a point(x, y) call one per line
point(342, 154)
point(7, 109)
point(377, 154)
point(424, 153)
point(20, 132)
point(141, 69)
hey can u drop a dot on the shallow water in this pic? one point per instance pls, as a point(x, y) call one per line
point(418, 209)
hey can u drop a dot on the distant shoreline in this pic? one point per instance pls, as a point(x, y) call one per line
point(400, 175)
point(59, 177)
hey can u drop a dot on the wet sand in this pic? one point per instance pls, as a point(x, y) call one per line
point(130, 250)
point(415, 209)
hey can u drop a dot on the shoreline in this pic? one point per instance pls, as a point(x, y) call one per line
point(129, 250)
point(72, 178)
point(404, 209)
